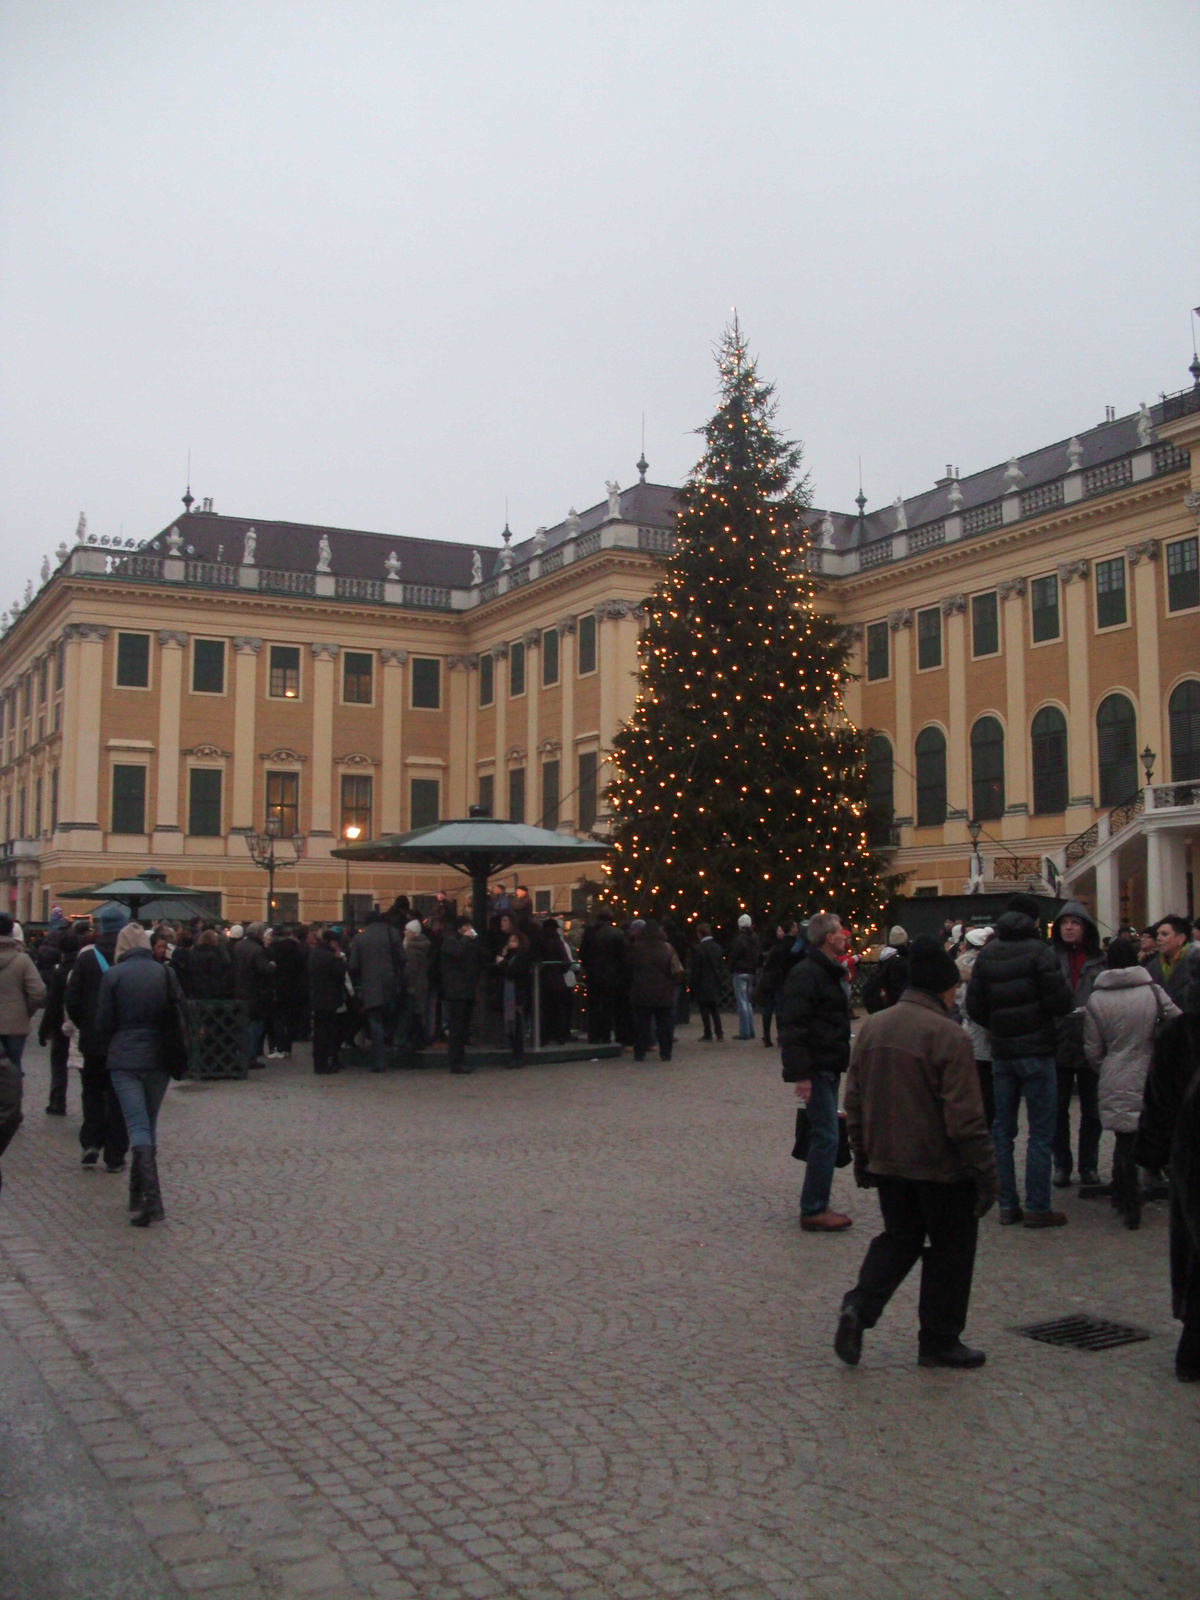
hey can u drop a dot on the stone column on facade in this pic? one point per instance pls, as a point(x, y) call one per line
point(1016, 743)
point(1143, 559)
point(852, 698)
point(168, 834)
point(321, 824)
point(391, 770)
point(1166, 874)
point(79, 797)
point(500, 697)
point(900, 627)
point(1108, 893)
point(533, 766)
point(462, 743)
point(954, 609)
point(245, 698)
point(568, 812)
point(1073, 577)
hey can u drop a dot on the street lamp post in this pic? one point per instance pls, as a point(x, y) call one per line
point(350, 832)
point(1148, 758)
point(975, 828)
point(262, 852)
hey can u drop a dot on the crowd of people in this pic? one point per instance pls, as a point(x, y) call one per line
point(961, 1030)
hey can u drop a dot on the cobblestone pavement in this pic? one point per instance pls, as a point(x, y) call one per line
point(556, 1333)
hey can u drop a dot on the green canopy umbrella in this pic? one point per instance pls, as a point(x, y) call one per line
point(480, 847)
point(134, 892)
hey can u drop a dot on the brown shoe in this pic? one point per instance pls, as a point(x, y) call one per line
point(1045, 1219)
point(825, 1222)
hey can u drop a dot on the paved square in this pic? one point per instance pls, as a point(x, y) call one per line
point(556, 1333)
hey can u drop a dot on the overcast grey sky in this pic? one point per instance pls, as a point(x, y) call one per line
point(383, 265)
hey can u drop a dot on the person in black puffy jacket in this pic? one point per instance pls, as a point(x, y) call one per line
point(1017, 991)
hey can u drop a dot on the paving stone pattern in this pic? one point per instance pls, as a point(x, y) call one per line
point(556, 1333)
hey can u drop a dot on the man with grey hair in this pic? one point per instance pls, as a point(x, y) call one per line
point(814, 1035)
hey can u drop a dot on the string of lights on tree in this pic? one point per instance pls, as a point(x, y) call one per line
point(739, 784)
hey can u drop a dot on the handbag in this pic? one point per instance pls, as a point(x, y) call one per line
point(804, 1136)
point(174, 1053)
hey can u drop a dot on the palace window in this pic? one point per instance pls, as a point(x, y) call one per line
point(1183, 716)
point(426, 683)
point(356, 804)
point(516, 795)
point(1116, 746)
point(1048, 739)
point(487, 679)
point(585, 640)
point(516, 669)
point(487, 793)
point(1043, 605)
point(133, 663)
point(208, 666)
point(284, 681)
point(549, 657)
point(357, 668)
point(880, 784)
point(877, 651)
point(1183, 575)
point(987, 770)
point(985, 624)
point(1110, 595)
point(204, 802)
point(586, 793)
point(128, 799)
point(283, 801)
point(425, 800)
point(931, 778)
point(550, 794)
point(929, 637)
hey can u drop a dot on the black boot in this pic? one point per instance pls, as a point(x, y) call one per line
point(135, 1180)
point(151, 1197)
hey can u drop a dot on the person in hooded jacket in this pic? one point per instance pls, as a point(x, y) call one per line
point(131, 1012)
point(21, 990)
point(1017, 991)
point(1120, 1020)
point(103, 1125)
point(209, 971)
point(53, 1016)
point(1169, 1130)
point(655, 970)
point(604, 954)
point(1076, 941)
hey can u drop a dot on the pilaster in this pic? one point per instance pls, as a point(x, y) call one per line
point(568, 810)
point(168, 835)
point(903, 799)
point(390, 766)
point(533, 766)
point(1016, 742)
point(1072, 575)
point(1143, 559)
point(80, 796)
point(954, 609)
point(245, 694)
point(324, 661)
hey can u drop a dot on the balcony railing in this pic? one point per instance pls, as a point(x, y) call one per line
point(1110, 475)
point(1183, 404)
point(874, 555)
point(274, 581)
point(359, 589)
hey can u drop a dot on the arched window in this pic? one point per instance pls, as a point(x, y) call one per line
point(1183, 714)
point(987, 770)
point(1116, 745)
point(879, 791)
point(931, 778)
point(1048, 735)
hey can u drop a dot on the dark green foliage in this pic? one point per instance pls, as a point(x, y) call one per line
point(739, 786)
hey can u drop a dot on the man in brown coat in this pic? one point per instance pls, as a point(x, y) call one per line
point(915, 1118)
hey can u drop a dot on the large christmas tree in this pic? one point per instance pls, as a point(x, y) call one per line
point(739, 785)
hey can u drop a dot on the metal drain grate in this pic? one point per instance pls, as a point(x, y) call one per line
point(1084, 1333)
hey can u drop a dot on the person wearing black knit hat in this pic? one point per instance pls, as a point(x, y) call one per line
point(914, 1113)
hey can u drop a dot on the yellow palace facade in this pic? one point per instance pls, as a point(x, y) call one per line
point(1021, 637)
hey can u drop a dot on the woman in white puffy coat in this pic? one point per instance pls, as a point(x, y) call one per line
point(1119, 1023)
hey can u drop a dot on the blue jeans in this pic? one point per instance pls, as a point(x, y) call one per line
point(743, 982)
point(252, 1041)
point(822, 1143)
point(140, 1094)
point(1035, 1078)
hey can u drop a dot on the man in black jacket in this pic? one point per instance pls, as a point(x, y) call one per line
point(103, 1125)
point(460, 963)
point(814, 1034)
point(604, 954)
point(1017, 991)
